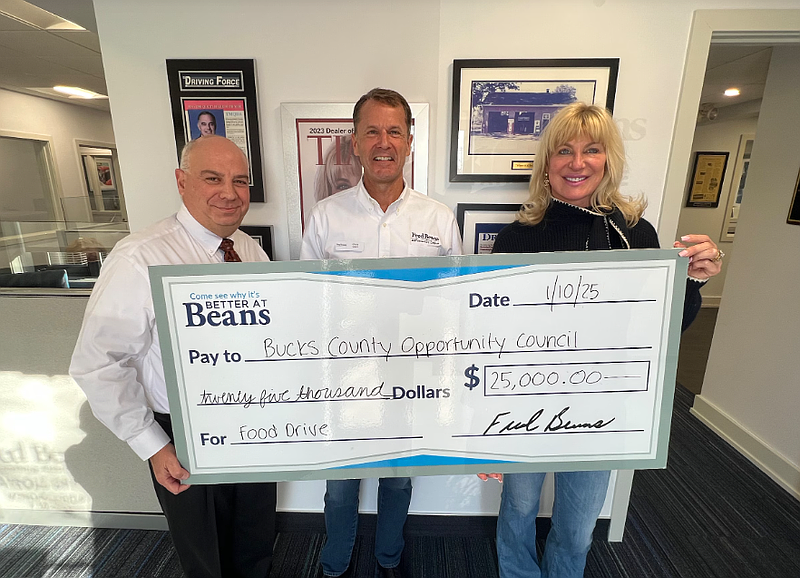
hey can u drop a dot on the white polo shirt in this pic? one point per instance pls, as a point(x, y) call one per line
point(352, 225)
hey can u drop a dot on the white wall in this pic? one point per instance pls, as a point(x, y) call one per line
point(717, 137)
point(64, 123)
point(317, 51)
point(751, 393)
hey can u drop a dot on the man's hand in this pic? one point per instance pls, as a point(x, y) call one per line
point(498, 477)
point(168, 469)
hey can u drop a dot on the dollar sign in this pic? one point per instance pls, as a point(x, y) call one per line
point(474, 380)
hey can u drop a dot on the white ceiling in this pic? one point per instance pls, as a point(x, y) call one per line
point(734, 65)
point(33, 60)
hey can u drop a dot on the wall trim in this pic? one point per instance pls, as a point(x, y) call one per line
point(114, 520)
point(775, 465)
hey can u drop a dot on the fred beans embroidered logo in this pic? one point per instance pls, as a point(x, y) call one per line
point(426, 239)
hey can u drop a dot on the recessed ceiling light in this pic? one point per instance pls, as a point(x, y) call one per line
point(732, 92)
point(76, 92)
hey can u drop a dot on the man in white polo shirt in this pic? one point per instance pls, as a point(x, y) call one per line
point(379, 217)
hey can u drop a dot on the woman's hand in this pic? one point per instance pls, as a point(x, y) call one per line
point(498, 477)
point(705, 258)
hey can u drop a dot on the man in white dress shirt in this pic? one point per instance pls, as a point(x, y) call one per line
point(224, 530)
point(379, 217)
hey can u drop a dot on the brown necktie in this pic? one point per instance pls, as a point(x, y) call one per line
point(231, 256)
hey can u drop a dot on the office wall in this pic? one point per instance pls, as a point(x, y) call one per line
point(751, 394)
point(64, 124)
point(716, 137)
point(316, 51)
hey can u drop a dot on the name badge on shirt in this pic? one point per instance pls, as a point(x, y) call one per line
point(425, 239)
point(344, 247)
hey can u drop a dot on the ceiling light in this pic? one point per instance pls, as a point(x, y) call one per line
point(75, 92)
point(732, 92)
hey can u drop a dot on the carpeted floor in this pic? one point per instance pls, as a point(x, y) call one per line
point(710, 514)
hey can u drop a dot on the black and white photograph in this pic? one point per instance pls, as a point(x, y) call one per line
point(501, 107)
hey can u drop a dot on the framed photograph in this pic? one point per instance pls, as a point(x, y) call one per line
point(319, 160)
point(105, 173)
point(218, 97)
point(480, 223)
point(708, 175)
point(262, 235)
point(500, 108)
point(794, 208)
point(736, 189)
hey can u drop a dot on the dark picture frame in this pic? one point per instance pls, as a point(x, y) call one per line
point(500, 107)
point(708, 176)
point(222, 91)
point(261, 235)
point(794, 208)
point(480, 222)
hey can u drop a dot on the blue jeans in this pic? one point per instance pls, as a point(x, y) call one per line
point(579, 497)
point(341, 521)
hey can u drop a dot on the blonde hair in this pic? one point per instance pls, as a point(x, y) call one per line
point(595, 122)
point(325, 181)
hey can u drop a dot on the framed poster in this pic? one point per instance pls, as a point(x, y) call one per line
point(105, 173)
point(263, 236)
point(736, 190)
point(707, 177)
point(500, 108)
point(480, 223)
point(794, 208)
point(319, 160)
point(218, 97)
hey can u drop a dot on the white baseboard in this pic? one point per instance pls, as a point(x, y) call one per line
point(116, 520)
point(772, 463)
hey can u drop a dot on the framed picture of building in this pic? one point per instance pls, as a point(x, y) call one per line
point(501, 107)
point(480, 223)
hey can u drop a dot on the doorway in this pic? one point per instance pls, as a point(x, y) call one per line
point(740, 28)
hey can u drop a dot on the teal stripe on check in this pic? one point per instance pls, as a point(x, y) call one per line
point(423, 460)
point(426, 274)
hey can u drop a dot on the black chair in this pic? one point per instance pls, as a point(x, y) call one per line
point(56, 278)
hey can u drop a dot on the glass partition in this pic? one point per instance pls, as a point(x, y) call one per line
point(49, 240)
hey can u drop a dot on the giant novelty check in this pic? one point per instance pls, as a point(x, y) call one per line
point(414, 366)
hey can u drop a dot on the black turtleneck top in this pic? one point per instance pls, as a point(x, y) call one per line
point(566, 227)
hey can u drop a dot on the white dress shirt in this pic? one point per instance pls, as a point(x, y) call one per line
point(117, 359)
point(352, 225)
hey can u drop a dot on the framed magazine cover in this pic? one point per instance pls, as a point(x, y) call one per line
point(218, 97)
point(500, 108)
point(319, 161)
point(480, 223)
